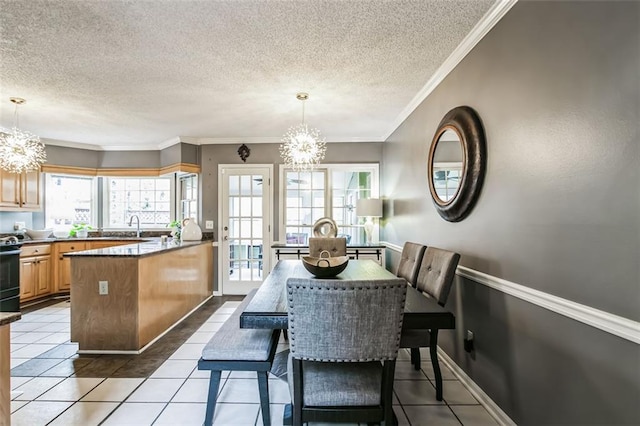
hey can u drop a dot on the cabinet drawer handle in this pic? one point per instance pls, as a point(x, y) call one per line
point(72, 247)
point(61, 257)
point(35, 251)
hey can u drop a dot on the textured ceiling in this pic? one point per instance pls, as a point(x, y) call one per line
point(140, 73)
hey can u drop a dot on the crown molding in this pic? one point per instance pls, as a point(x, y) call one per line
point(69, 144)
point(488, 21)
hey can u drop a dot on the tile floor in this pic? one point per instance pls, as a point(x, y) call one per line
point(53, 385)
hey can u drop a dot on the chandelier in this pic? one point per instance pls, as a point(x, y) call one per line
point(302, 147)
point(20, 151)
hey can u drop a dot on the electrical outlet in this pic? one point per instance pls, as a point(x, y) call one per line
point(103, 287)
point(469, 342)
point(208, 224)
point(19, 225)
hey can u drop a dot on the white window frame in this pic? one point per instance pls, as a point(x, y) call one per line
point(94, 196)
point(105, 199)
point(373, 168)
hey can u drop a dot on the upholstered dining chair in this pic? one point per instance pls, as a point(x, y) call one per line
point(435, 277)
point(409, 263)
point(335, 246)
point(344, 338)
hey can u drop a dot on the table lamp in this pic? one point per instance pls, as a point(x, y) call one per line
point(369, 208)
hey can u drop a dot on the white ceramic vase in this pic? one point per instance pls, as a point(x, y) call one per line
point(190, 230)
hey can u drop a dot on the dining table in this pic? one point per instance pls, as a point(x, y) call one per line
point(268, 308)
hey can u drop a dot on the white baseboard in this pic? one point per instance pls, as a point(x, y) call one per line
point(605, 321)
point(477, 392)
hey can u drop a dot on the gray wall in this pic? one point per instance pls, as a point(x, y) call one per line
point(556, 85)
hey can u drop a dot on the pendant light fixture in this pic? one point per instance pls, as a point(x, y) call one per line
point(20, 151)
point(302, 147)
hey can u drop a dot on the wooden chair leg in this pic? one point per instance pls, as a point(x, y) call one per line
point(214, 384)
point(415, 358)
point(263, 387)
point(433, 351)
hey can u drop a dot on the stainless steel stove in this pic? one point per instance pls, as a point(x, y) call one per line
point(10, 274)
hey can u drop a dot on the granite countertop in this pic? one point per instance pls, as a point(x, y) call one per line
point(146, 248)
point(55, 240)
point(9, 317)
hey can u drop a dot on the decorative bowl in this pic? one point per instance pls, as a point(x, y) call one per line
point(38, 234)
point(325, 267)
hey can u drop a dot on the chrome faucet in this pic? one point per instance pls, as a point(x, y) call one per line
point(137, 222)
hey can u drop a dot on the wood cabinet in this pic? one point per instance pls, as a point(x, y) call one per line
point(35, 271)
point(20, 192)
point(63, 265)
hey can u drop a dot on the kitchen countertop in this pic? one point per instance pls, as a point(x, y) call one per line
point(9, 317)
point(148, 247)
point(55, 240)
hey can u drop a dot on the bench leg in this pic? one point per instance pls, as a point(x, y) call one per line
point(415, 358)
point(214, 384)
point(263, 387)
point(433, 351)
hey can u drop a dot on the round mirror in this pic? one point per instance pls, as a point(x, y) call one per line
point(447, 165)
point(457, 159)
point(325, 227)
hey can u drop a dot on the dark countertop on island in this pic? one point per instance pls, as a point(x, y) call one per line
point(149, 247)
point(9, 317)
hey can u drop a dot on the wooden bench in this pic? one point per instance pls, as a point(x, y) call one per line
point(240, 349)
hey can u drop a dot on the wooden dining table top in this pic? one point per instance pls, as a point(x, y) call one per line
point(268, 308)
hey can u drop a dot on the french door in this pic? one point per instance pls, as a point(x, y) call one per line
point(245, 226)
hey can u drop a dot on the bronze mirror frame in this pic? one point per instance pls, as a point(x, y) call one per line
point(465, 122)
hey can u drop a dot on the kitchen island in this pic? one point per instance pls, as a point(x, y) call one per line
point(124, 298)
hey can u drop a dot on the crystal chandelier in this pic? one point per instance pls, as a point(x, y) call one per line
point(302, 147)
point(20, 151)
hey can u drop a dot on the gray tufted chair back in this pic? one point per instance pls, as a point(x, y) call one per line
point(345, 321)
point(410, 262)
point(436, 273)
point(335, 246)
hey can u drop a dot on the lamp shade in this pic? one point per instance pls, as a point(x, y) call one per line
point(371, 207)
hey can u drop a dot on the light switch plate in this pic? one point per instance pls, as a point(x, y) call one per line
point(19, 225)
point(103, 287)
point(208, 224)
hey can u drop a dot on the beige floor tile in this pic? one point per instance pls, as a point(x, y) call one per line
point(278, 391)
point(430, 415)
point(191, 351)
point(226, 310)
point(16, 346)
point(57, 338)
point(194, 390)
point(238, 414)
point(240, 391)
point(85, 414)
point(473, 415)
point(406, 371)
point(156, 390)
point(276, 411)
point(402, 418)
point(175, 369)
point(38, 413)
point(415, 392)
point(71, 389)
point(32, 351)
point(19, 381)
point(201, 337)
point(18, 361)
point(21, 326)
point(135, 414)
point(446, 373)
point(17, 404)
point(35, 387)
point(35, 317)
point(113, 389)
point(56, 327)
point(209, 326)
point(206, 374)
point(30, 337)
point(183, 415)
point(243, 375)
point(218, 317)
point(455, 393)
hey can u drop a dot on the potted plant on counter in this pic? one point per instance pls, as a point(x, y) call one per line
point(80, 230)
point(176, 228)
